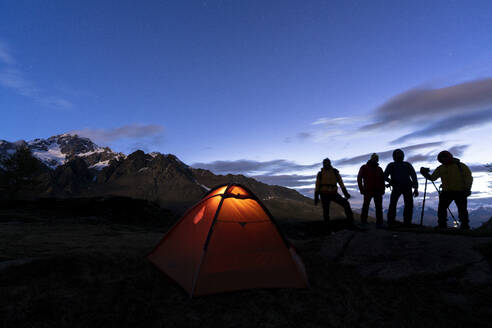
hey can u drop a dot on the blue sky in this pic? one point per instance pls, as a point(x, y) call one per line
point(253, 82)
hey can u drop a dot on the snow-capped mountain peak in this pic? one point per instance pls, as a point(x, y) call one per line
point(57, 150)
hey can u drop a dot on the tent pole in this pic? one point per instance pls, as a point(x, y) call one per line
point(205, 246)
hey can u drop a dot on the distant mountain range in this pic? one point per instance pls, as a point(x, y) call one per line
point(477, 216)
point(72, 166)
point(58, 150)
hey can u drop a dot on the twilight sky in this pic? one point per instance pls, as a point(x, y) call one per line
point(263, 88)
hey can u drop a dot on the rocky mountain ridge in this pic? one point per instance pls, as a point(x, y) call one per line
point(72, 166)
point(58, 150)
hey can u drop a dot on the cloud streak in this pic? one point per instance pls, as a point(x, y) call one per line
point(272, 170)
point(447, 125)
point(421, 104)
point(457, 151)
point(131, 131)
point(385, 155)
point(435, 111)
point(287, 180)
point(250, 167)
point(13, 78)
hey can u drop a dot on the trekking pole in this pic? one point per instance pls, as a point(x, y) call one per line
point(439, 193)
point(423, 204)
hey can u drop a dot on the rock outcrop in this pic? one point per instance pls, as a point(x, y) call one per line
point(391, 255)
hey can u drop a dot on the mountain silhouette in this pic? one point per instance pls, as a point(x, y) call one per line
point(72, 166)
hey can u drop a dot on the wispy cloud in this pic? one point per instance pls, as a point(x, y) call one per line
point(13, 78)
point(478, 168)
point(416, 105)
point(250, 167)
point(287, 180)
point(456, 150)
point(327, 128)
point(435, 111)
point(131, 131)
point(278, 166)
point(447, 125)
point(385, 155)
point(5, 56)
point(329, 121)
point(303, 136)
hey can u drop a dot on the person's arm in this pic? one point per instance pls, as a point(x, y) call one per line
point(316, 190)
point(359, 180)
point(381, 180)
point(387, 172)
point(413, 177)
point(435, 175)
point(415, 181)
point(342, 186)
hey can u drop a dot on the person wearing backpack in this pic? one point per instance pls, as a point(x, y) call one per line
point(326, 188)
point(456, 181)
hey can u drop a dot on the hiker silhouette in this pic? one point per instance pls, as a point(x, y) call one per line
point(456, 185)
point(371, 185)
point(326, 188)
point(402, 178)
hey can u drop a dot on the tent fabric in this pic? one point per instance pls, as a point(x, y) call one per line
point(228, 241)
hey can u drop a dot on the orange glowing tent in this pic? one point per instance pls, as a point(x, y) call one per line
point(228, 241)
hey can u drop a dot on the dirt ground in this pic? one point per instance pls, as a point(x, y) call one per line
point(91, 272)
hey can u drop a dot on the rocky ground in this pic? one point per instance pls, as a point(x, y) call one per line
point(90, 271)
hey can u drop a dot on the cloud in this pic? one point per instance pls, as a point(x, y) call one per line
point(13, 78)
point(5, 54)
point(447, 125)
point(456, 150)
point(330, 128)
point(328, 121)
point(250, 167)
point(287, 180)
point(421, 158)
point(479, 168)
point(303, 136)
point(131, 131)
point(416, 105)
point(271, 170)
point(385, 155)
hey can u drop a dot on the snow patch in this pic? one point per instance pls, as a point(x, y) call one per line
point(98, 150)
point(100, 165)
point(52, 157)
